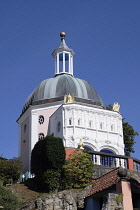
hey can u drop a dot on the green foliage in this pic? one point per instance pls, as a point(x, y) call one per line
point(8, 199)
point(109, 107)
point(51, 179)
point(47, 154)
point(47, 160)
point(55, 152)
point(119, 198)
point(37, 158)
point(78, 170)
point(129, 136)
point(10, 169)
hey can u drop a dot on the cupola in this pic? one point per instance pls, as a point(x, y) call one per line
point(63, 58)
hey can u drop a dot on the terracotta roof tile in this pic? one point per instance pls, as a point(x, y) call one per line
point(105, 181)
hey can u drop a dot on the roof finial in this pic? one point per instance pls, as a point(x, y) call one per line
point(62, 35)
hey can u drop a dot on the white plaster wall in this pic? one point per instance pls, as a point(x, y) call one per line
point(105, 130)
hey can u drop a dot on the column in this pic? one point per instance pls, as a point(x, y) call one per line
point(57, 71)
point(124, 187)
point(63, 62)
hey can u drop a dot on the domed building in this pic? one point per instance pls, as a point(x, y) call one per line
point(70, 108)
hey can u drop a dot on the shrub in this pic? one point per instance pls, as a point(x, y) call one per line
point(47, 160)
point(8, 199)
point(78, 170)
point(51, 179)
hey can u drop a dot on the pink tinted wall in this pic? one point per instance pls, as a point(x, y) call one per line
point(127, 196)
point(124, 187)
point(43, 128)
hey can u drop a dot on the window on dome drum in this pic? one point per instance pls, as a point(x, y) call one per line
point(111, 127)
point(70, 121)
point(58, 126)
point(25, 128)
point(41, 119)
point(41, 136)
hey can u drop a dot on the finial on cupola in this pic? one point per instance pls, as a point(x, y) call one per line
point(62, 35)
point(63, 58)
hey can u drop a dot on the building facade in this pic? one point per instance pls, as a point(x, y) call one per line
point(69, 108)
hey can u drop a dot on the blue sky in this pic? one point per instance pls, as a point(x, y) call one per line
point(105, 35)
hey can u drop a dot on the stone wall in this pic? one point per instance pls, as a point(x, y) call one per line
point(65, 200)
point(112, 201)
point(101, 170)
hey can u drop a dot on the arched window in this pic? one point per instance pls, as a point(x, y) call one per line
point(107, 160)
point(88, 148)
point(93, 157)
point(107, 151)
point(40, 136)
point(41, 119)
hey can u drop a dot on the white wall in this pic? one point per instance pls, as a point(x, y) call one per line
point(99, 128)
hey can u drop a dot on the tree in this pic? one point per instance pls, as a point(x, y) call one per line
point(78, 170)
point(10, 169)
point(128, 135)
point(47, 160)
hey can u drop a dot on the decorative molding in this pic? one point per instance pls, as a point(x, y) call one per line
point(85, 138)
point(107, 141)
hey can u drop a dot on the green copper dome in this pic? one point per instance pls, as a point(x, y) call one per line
point(61, 85)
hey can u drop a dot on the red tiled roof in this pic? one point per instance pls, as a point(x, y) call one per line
point(105, 181)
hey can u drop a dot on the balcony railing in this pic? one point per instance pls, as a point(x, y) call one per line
point(101, 158)
point(136, 164)
point(113, 160)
